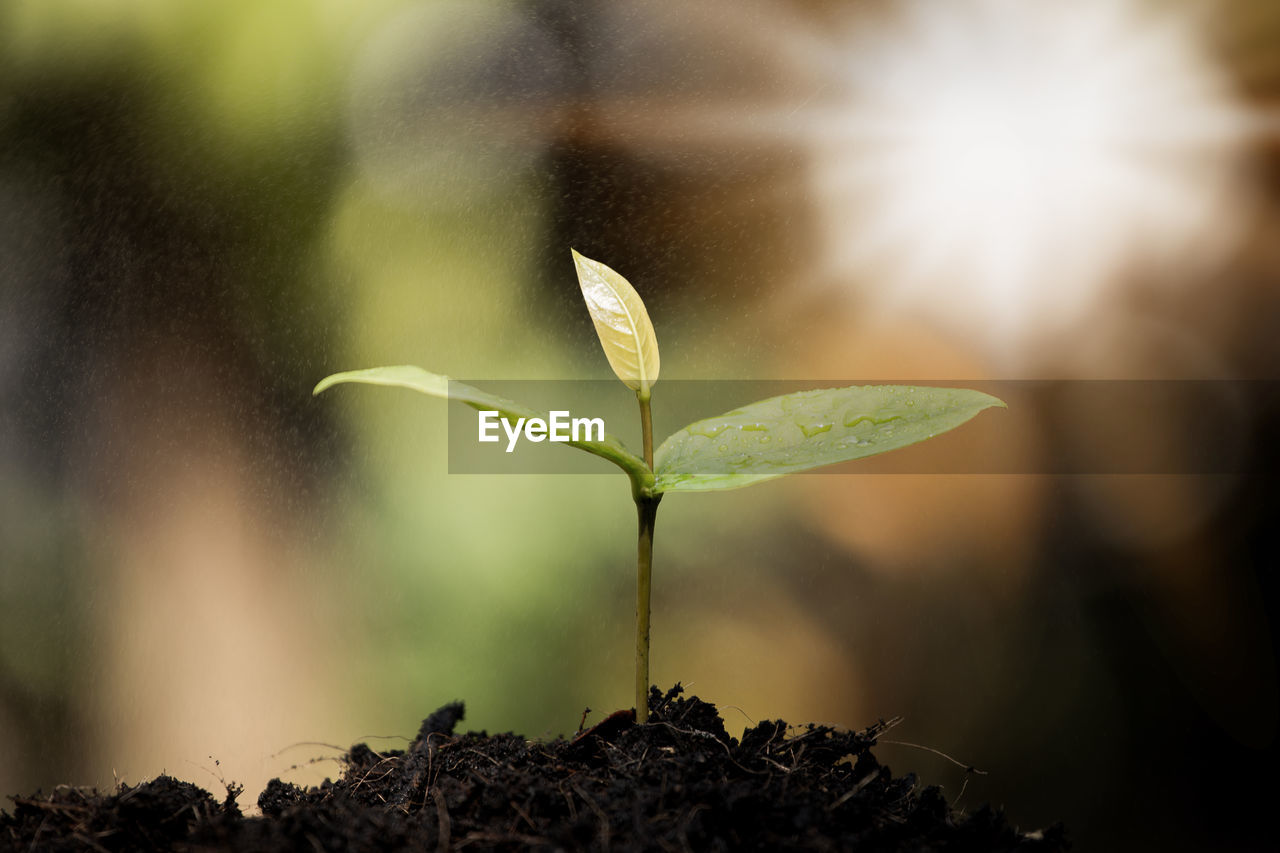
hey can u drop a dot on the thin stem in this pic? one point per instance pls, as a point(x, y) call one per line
point(647, 511)
point(646, 427)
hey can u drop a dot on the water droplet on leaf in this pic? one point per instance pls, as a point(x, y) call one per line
point(708, 430)
point(812, 429)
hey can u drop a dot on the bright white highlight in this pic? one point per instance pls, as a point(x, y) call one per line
point(999, 165)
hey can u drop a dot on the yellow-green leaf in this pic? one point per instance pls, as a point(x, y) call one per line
point(438, 385)
point(621, 322)
point(808, 429)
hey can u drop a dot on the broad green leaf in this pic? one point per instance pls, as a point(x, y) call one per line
point(621, 322)
point(797, 432)
point(437, 385)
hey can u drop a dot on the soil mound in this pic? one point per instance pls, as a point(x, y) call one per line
point(677, 783)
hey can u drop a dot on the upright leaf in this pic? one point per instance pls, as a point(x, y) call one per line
point(797, 432)
point(621, 322)
point(438, 385)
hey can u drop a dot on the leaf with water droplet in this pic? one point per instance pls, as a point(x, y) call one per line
point(812, 428)
point(621, 322)
point(438, 385)
point(809, 429)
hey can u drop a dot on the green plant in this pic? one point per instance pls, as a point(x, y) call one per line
point(767, 439)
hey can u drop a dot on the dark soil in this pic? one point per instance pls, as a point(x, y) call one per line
point(678, 783)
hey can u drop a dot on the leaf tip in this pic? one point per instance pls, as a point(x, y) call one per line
point(325, 384)
point(582, 263)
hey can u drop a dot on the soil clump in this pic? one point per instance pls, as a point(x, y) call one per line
point(679, 783)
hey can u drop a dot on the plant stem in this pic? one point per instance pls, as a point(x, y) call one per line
point(646, 427)
point(647, 510)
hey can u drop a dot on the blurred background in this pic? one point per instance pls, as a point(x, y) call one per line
point(205, 208)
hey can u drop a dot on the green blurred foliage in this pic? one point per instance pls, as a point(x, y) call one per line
point(512, 592)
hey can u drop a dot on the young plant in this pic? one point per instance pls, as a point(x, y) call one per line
point(768, 439)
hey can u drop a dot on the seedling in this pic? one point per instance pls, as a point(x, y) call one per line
point(768, 439)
